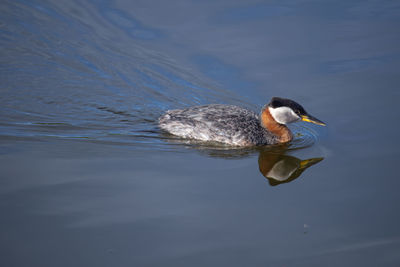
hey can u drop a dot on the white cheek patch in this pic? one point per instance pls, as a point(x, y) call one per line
point(283, 115)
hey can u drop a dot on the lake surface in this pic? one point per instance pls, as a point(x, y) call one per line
point(88, 179)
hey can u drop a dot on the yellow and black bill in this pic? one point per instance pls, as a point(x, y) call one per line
point(312, 119)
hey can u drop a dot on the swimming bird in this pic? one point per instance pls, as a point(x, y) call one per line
point(237, 126)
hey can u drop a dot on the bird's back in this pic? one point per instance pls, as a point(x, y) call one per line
point(222, 123)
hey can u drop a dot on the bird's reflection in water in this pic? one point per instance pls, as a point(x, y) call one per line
point(273, 162)
point(279, 168)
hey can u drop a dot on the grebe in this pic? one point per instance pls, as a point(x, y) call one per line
point(235, 125)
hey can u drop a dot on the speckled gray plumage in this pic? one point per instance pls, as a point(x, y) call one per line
point(222, 123)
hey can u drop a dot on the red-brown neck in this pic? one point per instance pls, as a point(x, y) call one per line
point(279, 130)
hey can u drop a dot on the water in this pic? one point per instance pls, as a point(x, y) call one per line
point(88, 179)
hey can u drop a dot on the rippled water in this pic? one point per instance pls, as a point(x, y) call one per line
point(71, 81)
point(87, 177)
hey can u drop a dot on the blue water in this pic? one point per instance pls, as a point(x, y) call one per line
point(88, 179)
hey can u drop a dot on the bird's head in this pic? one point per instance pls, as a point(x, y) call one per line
point(286, 111)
